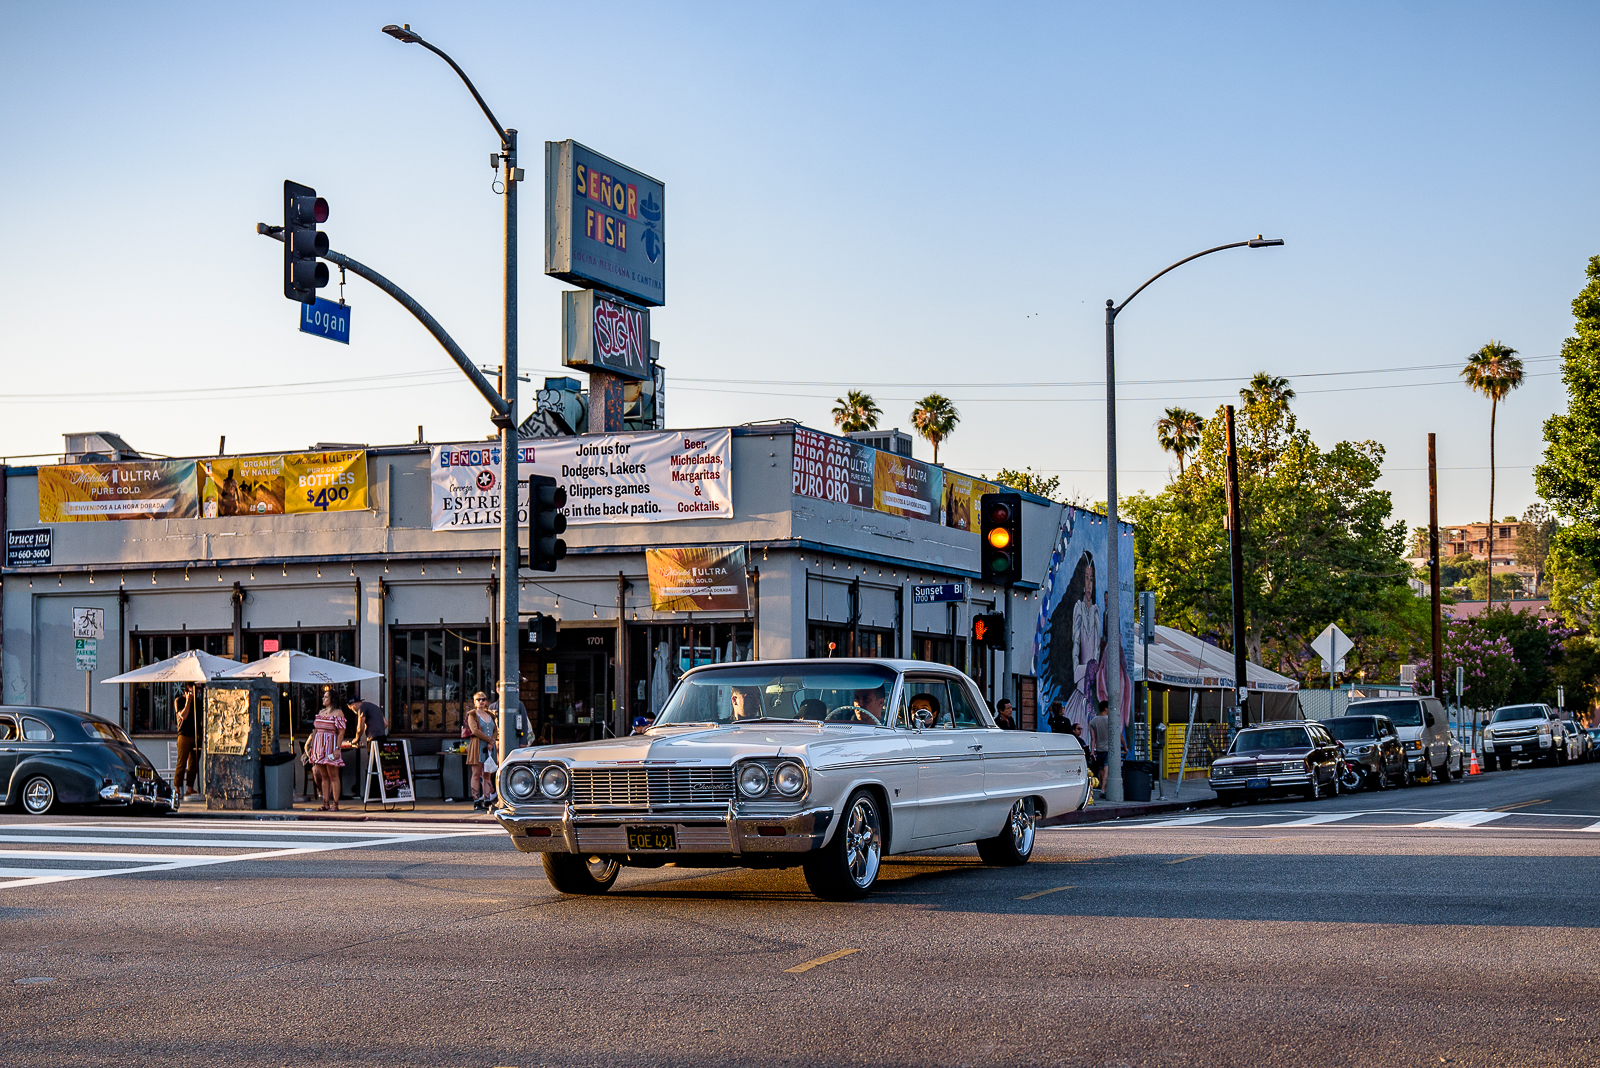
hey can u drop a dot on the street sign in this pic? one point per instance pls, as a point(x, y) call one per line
point(28, 548)
point(86, 653)
point(943, 591)
point(1333, 645)
point(326, 318)
point(89, 623)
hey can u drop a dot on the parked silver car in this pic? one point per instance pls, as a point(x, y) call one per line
point(826, 765)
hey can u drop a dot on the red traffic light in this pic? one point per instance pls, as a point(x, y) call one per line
point(999, 513)
point(319, 210)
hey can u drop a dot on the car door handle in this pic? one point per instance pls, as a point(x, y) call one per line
point(977, 747)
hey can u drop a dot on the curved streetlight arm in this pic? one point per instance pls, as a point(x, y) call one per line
point(409, 36)
point(1256, 242)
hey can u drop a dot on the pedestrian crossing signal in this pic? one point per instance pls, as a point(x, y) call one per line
point(989, 629)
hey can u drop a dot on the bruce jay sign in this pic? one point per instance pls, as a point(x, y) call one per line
point(604, 224)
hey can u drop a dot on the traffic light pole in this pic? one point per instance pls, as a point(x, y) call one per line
point(1113, 610)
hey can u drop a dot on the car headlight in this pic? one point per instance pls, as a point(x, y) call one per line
point(1488, 732)
point(789, 778)
point(1544, 732)
point(1364, 749)
point(1414, 745)
point(753, 780)
point(553, 781)
point(521, 783)
point(1221, 773)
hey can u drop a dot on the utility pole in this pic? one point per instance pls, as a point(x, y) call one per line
point(1236, 554)
point(1433, 570)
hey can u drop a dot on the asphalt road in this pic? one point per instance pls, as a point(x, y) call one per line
point(1250, 938)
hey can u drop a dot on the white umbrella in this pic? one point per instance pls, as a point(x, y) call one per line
point(191, 666)
point(291, 665)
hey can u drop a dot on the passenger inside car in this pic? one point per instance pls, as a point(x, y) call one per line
point(925, 712)
point(811, 708)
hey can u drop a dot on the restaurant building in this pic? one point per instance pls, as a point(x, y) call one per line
point(385, 557)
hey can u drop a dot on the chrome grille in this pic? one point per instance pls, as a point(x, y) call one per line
point(642, 787)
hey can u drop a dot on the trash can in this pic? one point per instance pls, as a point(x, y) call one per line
point(278, 771)
point(1138, 779)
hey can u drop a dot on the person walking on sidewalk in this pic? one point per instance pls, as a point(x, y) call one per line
point(1100, 744)
point(1002, 715)
point(324, 750)
point(184, 775)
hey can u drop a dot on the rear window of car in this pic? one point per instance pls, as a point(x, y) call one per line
point(98, 731)
point(1352, 728)
point(1512, 713)
point(1400, 713)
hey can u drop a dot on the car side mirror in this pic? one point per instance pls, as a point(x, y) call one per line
point(1427, 718)
point(922, 717)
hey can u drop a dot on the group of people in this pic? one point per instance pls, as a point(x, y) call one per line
point(1097, 745)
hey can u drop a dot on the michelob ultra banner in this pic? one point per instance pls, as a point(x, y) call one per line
point(138, 489)
point(643, 477)
point(698, 578)
point(283, 483)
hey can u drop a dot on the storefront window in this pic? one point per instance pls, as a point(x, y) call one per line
point(301, 701)
point(151, 703)
point(940, 649)
point(433, 673)
point(862, 641)
point(659, 653)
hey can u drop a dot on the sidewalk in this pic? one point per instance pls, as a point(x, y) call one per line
point(1196, 794)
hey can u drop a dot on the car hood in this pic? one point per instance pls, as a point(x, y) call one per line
point(713, 745)
point(1517, 724)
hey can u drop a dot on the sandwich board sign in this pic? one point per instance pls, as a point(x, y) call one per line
point(389, 764)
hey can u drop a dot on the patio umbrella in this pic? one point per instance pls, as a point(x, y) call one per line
point(191, 666)
point(291, 665)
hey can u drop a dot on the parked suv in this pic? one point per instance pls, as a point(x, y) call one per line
point(1432, 752)
point(1579, 749)
point(1525, 732)
point(1373, 745)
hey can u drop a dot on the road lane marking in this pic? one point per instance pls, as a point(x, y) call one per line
point(1188, 821)
point(1462, 819)
point(1521, 804)
point(1316, 821)
point(1042, 893)
point(1181, 860)
point(808, 965)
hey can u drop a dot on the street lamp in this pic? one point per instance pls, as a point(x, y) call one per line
point(510, 555)
point(1113, 613)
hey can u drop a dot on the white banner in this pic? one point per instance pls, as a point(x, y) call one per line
point(646, 477)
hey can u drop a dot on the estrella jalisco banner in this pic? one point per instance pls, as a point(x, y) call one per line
point(638, 477)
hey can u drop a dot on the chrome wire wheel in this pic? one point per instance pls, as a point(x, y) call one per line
point(1021, 823)
point(38, 796)
point(863, 847)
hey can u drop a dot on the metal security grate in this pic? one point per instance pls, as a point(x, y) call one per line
point(642, 787)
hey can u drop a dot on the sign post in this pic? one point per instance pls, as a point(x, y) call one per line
point(88, 627)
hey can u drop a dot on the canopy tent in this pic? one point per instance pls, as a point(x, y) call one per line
point(1181, 661)
point(192, 665)
point(291, 665)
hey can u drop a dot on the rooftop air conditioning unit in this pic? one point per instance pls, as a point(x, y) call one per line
point(896, 441)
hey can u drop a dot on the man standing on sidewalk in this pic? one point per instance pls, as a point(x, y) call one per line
point(1099, 744)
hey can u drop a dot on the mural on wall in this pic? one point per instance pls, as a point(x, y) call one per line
point(1071, 655)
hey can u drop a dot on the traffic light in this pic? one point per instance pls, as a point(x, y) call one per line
point(545, 522)
point(1001, 548)
point(989, 629)
point(541, 632)
point(303, 273)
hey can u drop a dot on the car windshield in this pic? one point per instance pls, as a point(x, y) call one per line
point(98, 731)
point(1512, 713)
point(1400, 713)
point(1276, 738)
point(1352, 729)
point(828, 693)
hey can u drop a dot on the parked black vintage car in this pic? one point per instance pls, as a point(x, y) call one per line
point(51, 757)
point(1292, 757)
point(1373, 745)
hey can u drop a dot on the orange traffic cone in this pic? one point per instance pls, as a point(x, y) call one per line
point(1474, 769)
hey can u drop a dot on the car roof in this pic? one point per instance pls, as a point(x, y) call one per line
point(888, 662)
point(48, 713)
point(1277, 723)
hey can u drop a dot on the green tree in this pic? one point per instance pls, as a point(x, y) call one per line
point(1506, 586)
point(1568, 478)
point(856, 410)
point(1319, 543)
point(1494, 371)
point(1028, 481)
point(1533, 541)
point(1267, 389)
point(1460, 570)
point(935, 418)
point(1178, 432)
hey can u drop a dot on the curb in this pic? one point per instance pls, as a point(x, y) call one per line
point(1107, 813)
point(293, 816)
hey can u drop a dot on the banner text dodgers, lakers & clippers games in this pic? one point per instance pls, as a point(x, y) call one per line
point(609, 478)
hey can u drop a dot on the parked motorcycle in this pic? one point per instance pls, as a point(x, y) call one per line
point(1350, 777)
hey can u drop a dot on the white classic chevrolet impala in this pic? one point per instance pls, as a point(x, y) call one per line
point(821, 764)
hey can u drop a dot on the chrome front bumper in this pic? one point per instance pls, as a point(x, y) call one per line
point(1274, 782)
point(562, 829)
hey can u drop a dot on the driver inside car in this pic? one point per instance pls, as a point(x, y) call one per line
point(746, 702)
point(868, 708)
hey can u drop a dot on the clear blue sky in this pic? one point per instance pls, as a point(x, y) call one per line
point(916, 196)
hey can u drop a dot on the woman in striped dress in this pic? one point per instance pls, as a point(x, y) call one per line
point(323, 750)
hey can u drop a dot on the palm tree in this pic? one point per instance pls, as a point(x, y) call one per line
point(1494, 371)
point(1179, 432)
point(1267, 389)
point(935, 418)
point(856, 410)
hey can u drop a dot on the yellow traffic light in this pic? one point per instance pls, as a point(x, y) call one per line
point(999, 537)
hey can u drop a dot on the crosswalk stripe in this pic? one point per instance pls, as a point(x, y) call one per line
point(1463, 819)
point(1186, 821)
point(1317, 821)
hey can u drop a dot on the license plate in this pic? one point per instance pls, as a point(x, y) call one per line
point(1258, 784)
point(652, 838)
point(1516, 749)
point(144, 774)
